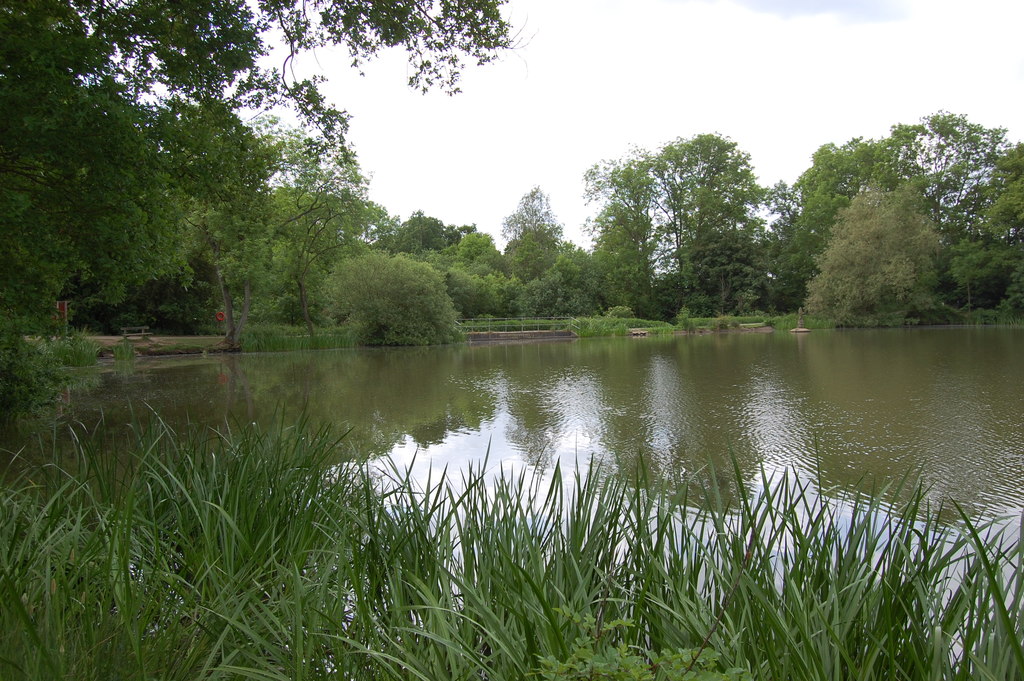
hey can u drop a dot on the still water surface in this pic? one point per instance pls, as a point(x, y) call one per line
point(852, 408)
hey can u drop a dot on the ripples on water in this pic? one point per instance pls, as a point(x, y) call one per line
point(846, 409)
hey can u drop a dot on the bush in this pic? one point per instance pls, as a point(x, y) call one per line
point(27, 380)
point(392, 300)
point(70, 350)
point(619, 312)
point(614, 326)
point(684, 321)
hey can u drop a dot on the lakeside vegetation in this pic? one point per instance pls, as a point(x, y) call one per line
point(276, 555)
point(133, 185)
point(139, 195)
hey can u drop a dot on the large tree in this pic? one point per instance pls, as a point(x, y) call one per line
point(534, 236)
point(879, 265)
point(319, 209)
point(803, 215)
point(624, 230)
point(87, 94)
point(950, 161)
point(421, 233)
point(83, 86)
point(223, 173)
point(1005, 217)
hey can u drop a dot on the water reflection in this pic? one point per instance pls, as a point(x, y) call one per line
point(842, 408)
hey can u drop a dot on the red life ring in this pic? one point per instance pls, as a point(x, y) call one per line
point(220, 316)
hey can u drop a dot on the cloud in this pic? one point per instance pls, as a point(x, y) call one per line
point(867, 11)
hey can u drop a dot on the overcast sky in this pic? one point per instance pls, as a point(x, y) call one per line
point(593, 78)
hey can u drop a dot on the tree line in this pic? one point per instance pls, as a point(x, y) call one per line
point(129, 182)
point(923, 225)
point(131, 185)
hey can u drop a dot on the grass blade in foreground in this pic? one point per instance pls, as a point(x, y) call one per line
point(271, 555)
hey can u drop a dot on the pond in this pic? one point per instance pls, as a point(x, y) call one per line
point(844, 408)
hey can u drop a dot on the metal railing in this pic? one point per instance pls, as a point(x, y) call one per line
point(504, 324)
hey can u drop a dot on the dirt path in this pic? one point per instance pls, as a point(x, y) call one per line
point(160, 345)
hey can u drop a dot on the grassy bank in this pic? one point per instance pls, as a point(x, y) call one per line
point(72, 350)
point(613, 326)
point(279, 338)
point(264, 555)
point(589, 327)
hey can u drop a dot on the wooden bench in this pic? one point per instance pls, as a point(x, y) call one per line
point(141, 331)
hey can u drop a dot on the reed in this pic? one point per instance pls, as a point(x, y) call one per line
point(272, 554)
point(994, 317)
point(124, 351)
point(789, 321)
point(71, 350)
point(589, 327)
point(280, 338)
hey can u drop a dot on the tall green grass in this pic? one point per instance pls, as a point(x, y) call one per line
point(273, 555)
point(589, 327)
point(789, 321)
point(281, 338)
point(1000, 317)
point(124, 351)
point(71, 350)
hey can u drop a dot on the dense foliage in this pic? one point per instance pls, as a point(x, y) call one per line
point(878, 268)
point(392, 300)
point(271, 555)
point(122, 152)
point(130, 186)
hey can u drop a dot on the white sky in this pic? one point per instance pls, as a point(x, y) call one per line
point(593, 78)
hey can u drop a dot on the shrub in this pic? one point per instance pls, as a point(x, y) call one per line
point(595, 655)
point(392, 300)
point(684, 321)
point(27, 380)
point(619, 312)
point(71, 350)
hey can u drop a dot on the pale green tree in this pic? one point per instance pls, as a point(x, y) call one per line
point(879, 265)
point(393, 300)
point(319, 210)
point(625, 242)
point(534, 236)
point(802, 215)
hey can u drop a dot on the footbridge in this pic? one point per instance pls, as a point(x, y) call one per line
point(512, 329)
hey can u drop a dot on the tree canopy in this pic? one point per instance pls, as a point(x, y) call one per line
point(534, 236)
point(878, 264)
point(686, 215)
point(90, 102)
point(392, 300)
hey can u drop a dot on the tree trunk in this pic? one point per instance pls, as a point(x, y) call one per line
point(304, 301)
point(229, 307)
point(235, 337)
point(233, 331)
